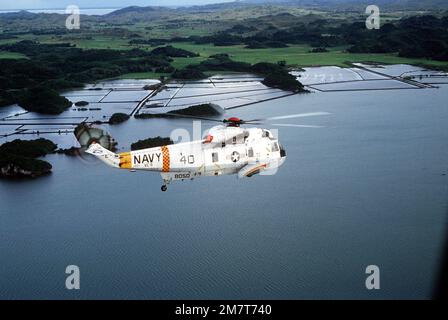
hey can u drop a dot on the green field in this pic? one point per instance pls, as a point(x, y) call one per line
point(11, 55)
point(300, 55)
point(143, 75)
point(297, 56)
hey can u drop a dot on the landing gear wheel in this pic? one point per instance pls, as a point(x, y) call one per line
point(164, 188)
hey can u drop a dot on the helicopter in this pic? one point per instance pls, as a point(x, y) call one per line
point(226, 149)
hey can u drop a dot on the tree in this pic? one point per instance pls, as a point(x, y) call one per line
point(43, 100)
point(283, 80)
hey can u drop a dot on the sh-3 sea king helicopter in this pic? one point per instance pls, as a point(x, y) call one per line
point(226, 149)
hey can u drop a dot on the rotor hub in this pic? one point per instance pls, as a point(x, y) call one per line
point(233, 122)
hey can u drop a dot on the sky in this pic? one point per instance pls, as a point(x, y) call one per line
point(49, 4)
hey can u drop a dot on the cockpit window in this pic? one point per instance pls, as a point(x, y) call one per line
point(268, 134)
point(275, 147)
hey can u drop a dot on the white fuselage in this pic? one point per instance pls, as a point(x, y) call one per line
point(226, 150)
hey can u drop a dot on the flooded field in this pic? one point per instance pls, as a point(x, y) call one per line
point(369, 187)
point(226, 91)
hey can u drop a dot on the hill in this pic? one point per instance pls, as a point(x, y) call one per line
point(346, 4)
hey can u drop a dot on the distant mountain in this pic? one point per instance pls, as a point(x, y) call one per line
point(135, 13)
point(219, 6)
point(133, 9)
point(23, 14)
point(388, 4)
point(423, 5)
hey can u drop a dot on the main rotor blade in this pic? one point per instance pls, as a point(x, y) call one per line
point(291, 116)
point(295, 125)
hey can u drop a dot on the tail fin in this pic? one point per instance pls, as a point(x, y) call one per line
point(98, 143)
point(108, 157)
point(86, 134)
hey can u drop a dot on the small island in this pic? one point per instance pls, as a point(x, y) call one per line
point(205, 109)
point(283, 80)
point(71, 152)
point(43, 100)
point(18, 158)
point(81, 103)
point(117, 118)
point(152, 86)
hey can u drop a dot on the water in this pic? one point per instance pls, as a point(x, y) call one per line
point(369, 188)
point(86, 11)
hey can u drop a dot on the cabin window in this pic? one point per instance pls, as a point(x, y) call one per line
point(234, 140)
point(215, 157)
point(250, 153)
point(223, 144)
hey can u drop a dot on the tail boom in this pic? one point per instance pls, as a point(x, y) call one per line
point(106, 156)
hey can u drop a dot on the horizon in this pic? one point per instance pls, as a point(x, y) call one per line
point(91, 4)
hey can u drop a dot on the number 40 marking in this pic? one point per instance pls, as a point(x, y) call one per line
point(189, 159)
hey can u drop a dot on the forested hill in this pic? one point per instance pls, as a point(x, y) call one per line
point(350, 4)
point(33, 83)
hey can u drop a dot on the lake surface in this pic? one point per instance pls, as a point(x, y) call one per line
point(86, 11)
point(369, 188)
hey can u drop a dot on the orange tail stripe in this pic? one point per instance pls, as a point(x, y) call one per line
point(166, 159)
point(125, 160)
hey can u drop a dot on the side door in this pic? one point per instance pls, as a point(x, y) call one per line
point(213, 158)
